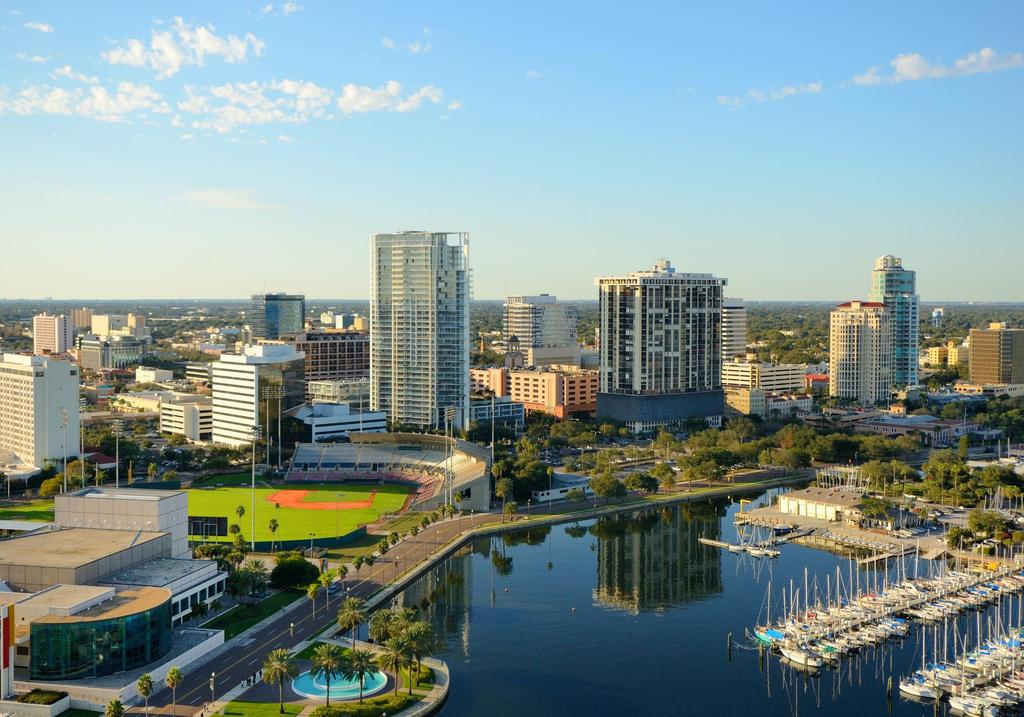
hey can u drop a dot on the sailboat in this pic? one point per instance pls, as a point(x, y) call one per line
point(799, 656)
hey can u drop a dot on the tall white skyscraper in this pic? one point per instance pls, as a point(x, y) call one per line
point(419, 318)
point(539, 321)
point(51, 334)
point(895, 287)
point(860, 352)
point(38, 408)
point(661, 347)
point(734, 329)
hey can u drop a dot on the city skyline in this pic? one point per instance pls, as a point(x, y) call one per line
point(808, 141)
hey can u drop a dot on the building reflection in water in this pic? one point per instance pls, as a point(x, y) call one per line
point(442, 596)
point(653, 560)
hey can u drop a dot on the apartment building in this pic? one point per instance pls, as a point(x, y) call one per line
point(997, 355)
point(51, 334)
point(335, 355)
point(254, 388)
point(860, 354)
point(561, 391)
point(778, 378)
point(895, 287)
point(541, 322)
point(38, 408)
point(734, 329)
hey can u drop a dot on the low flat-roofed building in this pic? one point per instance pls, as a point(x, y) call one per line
point(189, 415)
point(190, 581)
point(830, 504)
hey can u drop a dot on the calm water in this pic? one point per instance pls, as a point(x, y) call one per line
point(653, 608)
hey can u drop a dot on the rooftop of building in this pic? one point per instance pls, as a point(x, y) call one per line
point(158, 572)
point(861, 304)
point(58, 597)
point(70, 547)
point(145, 494)
point(122, 604)
point(833, 496)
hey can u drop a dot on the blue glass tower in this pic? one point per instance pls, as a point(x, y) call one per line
point(896, 287)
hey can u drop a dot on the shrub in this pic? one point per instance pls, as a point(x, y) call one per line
point(293, 570)
point(41, 697)
point(371, 707)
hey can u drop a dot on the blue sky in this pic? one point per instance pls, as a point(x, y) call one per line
point(217, 149)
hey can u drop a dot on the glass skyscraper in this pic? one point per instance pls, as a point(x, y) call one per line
point(896, 287)
point(277, 314)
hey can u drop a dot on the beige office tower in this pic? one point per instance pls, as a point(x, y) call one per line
point(419, 318)
point(734, 329)
point(51, 334)
point(860, 352)
point(997, 355)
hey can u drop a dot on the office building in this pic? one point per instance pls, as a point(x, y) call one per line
point(253, 388)
point(734, 329)
point(277, 314)
point(766, 404)
point(936, 356)
point(199, 372)
point(539, 322)
point(81, 318)
point(997, 355)
point(895, 287)
point(51, 334)
point(419, 313)
point(661, 348)
point(354, 392)
point(335, 355)
point(957, 353)
point(327, 419)
point(145, 374)
point(503, 411)
point(106, 325)
point(860, 352)
point(38, 408)
point(111, 352)
point(187, 414)
point(750, 373)
point(561, 391)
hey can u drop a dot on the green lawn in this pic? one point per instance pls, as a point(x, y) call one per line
point(239, 708)
point(41, 510)
point(241, 618)
point(298, 523)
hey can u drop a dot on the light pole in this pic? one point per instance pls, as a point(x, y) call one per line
point(252, 507)
point(291, 629)
point(118, 426)
point(213, 688)
point(64, 425)
point(265, 395)
point(277, 391)
point(311, 544)
point(81, 437)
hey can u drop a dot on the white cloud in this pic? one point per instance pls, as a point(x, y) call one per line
point(183, 45)
point(285, 138)
point(224, 199)
point(188, 137)
point(913, 66)
point(267, 9)
point(225, 107)
point(289, 7)
point(419, 48)
point(25, 57)
point(121, 104)
point(758, 95)
point(40, 26)
point(387, 42)
point(357, 99)
point(71, 74)
point(427, 31)
point(534, 73)
point(455, 105)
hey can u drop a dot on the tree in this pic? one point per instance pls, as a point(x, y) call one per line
point(963, 449)
point(151, 471)
point(663, 472)
point(395, 657)
point(381, 625)
point(273, 525)
point(503, 489)
point(173, 680)
point(423, 642)
point(359, 665)
point(279, 666)
point(351, 615)
point(144, 686)
point(114, 709)
point(311, 590)
point(511, 509)
point(240, 512)
point(328, 662)
point(607, 486)
point(575, 495)
point(292, 570)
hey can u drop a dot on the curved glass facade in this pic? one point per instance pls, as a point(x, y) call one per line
point(72, 650)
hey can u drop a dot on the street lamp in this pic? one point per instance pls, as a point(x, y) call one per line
point(213, 690)
point(64, 425)
point(252, 512)
point(311, 544)
point(118, 426)
point(291, 629)
point(81, 436)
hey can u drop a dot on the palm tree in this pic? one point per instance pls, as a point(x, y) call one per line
point(351, 615)
point(325, 580)
point(381, 624)
point(240, 512)
point(173, 679)
point(423, 642)
point(395, 657)
point(114, 709)
point(360, 663)
point(503, 489)
point(144, 686)
point(358, 563)
point(273, 526)
point(311, 590)
point(279, 666)
point(328, 662)
point(257, 566)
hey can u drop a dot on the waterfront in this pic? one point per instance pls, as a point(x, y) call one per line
point(629, 615)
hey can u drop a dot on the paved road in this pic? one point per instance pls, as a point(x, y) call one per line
point(236, 664)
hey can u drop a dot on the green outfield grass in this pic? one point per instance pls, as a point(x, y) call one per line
point(297, 523)
point(40, 510)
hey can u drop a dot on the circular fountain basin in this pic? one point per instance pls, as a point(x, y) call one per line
point(341, 689)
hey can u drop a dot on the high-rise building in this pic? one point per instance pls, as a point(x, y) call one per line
point(38, 408)
point(778, 378)
point(51, 334)
point(81, 318)
point(104, 325)
point(895, 287)
point(276, 314)
point(661, 347)
point(997, 355)
point(334, 355)
point(539, 321)
point(419, 314)
point(860, 352)
point(734, 329)
point(253, 388)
